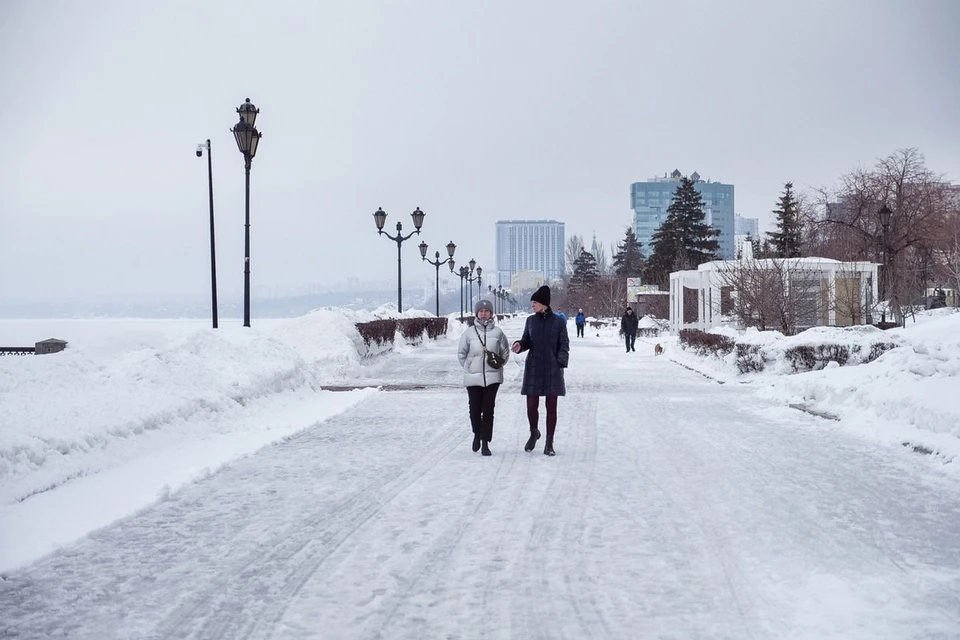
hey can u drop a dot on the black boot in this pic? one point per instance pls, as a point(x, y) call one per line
point(532, 442)
point(485, 449)
point(476, 442)
point(548, 448)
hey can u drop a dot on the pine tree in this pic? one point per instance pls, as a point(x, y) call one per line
point(787, 239)
point(628, 260)
point(585, 272)
point(684, 240)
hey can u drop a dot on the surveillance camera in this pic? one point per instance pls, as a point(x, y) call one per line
point(199, 151)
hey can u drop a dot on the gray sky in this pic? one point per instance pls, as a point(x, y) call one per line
point(472, 111)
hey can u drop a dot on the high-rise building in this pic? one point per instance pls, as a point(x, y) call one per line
point(746, 226)
point(649, 201)
point(530, 245)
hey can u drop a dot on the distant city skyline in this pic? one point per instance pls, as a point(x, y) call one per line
point(439, 105)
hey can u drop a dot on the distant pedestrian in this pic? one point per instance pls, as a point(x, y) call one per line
point(581, 321)
point(481, 375)
point(545, 337)
point(628, 327)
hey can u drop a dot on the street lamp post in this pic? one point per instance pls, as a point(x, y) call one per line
point(471, 279)
point(436, 263)
point(248, 138)
point(884, 214)
point(463, 273)
point(380, 218)
point(213, 244)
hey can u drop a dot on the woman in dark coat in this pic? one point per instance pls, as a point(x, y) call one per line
point(545, 337)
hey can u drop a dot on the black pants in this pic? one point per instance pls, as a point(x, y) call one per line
point(482, 400)
point(580, 330)
point(630, 339)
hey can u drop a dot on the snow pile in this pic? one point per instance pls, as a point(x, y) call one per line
point(113, 396)
point(907, 393)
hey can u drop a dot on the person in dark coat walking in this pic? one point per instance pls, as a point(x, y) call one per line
point(628, 327)
point(545, 337)
point(581, 321)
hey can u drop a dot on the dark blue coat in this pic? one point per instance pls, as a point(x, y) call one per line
point(545, 337)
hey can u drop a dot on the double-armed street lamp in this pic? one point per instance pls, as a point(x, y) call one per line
point(248, 138)
point(463, 272)
point(213, 245)
point(478, 279)
point(380, 218)
point(436, 263)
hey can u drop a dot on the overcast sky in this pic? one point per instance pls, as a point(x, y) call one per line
point(472, 111)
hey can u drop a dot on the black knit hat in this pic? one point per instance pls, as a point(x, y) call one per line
point(542, 295)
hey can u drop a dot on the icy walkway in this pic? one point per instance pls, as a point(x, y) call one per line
point(676, 508)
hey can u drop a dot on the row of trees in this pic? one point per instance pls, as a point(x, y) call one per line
point(918, 245)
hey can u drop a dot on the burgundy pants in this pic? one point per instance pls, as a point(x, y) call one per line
point(533, 414)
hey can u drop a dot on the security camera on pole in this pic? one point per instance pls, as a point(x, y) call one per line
point(213, 245)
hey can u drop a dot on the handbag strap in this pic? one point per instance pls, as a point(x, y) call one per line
point(482, 341)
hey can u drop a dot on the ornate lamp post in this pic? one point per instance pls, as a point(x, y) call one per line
point(380, 218)
point(884, 214)
point(213, 245)
point(463, 273)
point(248, 138)
point(471, 280)
point(437, 262)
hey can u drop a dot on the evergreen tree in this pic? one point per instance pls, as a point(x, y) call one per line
point(585, 272)
point(628, 260)
point(684, 240)
point(787, 239)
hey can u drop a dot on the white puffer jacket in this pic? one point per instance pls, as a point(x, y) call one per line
point(476, 371)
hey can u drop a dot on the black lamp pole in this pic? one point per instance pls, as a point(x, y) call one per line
point(380, 218)
point(248, 138)
point(471, 279)
point(213, 244)
point(464, 272)
point(884, 213)
point(436, 263)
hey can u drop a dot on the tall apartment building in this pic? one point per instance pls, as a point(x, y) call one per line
point(530, 245)
point(746, 226)
point(649, 201)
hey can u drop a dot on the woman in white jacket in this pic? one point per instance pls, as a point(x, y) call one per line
point(482, 380)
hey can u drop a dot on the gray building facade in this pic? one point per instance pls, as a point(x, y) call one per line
point(530, 245)
point(746, 226)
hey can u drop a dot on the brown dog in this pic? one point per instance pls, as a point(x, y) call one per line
point(657, 350)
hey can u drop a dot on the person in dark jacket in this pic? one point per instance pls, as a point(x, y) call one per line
point(628, 327)
point(545, 337)
point(482, 380)
point(581, 321)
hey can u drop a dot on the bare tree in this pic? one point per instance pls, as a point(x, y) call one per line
point(950, 257)
point(782, 294)
point(917, 199)
point(610, 296)
point(603, 263)
point(572, 251)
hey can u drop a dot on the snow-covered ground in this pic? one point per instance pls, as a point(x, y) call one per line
point(676, 507)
